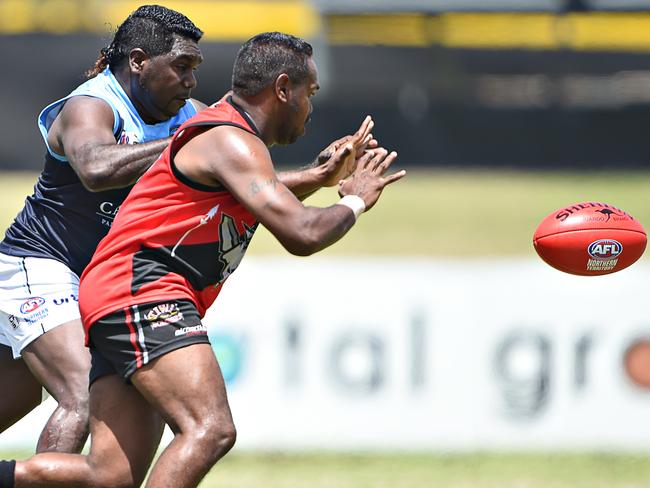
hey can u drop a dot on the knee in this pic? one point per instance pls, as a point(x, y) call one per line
point(217, 438)
point(226, 438)
point(76, 405)
point(74, 398)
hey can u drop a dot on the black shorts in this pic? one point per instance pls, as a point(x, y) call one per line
point(124, 341)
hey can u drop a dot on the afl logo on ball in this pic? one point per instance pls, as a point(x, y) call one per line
point(605, 249)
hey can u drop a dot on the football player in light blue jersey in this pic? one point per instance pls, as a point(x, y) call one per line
point(138, 92)
point(99, 139)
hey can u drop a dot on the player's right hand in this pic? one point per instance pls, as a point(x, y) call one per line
point(368, 180)
point(339, 159)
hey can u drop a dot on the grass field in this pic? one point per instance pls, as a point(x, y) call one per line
point(276, 470)
point(422, 471)
point(446, 213)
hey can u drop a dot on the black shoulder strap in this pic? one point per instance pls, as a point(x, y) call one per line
point(120, 127)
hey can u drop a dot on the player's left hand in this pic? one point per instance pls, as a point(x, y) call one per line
point(339, 160)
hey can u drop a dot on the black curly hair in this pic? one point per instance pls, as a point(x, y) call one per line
point(151, 28)
point(266, 56)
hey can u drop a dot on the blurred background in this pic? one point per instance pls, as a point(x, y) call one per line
point(516, 83)
point(431, 346)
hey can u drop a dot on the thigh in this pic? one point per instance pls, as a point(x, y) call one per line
point(60, 361)
point(186, 386)
point(21, 391)
point(163, 350)
point(125, 430)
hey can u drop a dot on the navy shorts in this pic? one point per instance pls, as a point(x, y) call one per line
point(124, 341)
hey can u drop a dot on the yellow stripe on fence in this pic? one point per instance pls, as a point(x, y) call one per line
point(394, 30)
point(543, 31)
point(233, 21)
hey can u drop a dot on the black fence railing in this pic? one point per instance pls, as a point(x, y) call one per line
point(437, 106)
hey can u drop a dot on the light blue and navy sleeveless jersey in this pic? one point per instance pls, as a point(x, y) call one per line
point(62, 220)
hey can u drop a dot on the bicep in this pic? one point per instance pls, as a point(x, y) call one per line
point(85, 124)
point(240, 162)
point(258, 188)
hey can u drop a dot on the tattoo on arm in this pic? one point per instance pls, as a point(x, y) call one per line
point(256, 187)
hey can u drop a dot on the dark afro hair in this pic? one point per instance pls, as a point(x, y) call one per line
point(151, 28)
point(266, 56)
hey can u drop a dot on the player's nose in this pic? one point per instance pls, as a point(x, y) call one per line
point(189, 81)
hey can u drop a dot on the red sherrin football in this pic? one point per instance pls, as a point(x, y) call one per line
point(589, 239)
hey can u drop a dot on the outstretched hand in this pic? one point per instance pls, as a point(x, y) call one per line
point(339, 159)
point(368, 180)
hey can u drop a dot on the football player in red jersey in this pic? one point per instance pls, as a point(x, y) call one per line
point(137, 93)
point(151, 359)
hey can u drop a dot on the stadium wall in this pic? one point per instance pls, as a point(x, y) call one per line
point(436, 105)
point(432, 355)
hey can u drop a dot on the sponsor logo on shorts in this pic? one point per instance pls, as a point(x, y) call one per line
point(36, 317)
point(14, 321)
point(163, 314)
point(64, 300)
point(32, 304)
point(192, 330)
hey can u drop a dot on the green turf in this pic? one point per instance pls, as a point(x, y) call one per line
point(446, 213)
point(276, 470)
point(429, 471)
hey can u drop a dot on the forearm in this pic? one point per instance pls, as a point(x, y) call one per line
point(320, 228)
point(303, 182)
point(117, 166)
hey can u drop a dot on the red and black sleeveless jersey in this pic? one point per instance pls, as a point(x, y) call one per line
point(172, 238)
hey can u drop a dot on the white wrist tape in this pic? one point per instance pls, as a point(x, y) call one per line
point(354, 203)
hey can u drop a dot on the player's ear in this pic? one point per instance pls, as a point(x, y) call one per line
point(137, 57)
point(282, 85)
